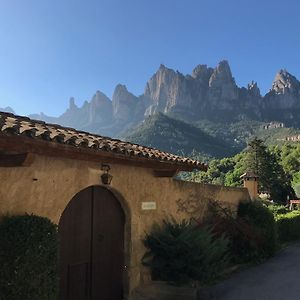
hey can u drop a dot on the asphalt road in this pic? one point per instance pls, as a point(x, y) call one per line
point(277, 278)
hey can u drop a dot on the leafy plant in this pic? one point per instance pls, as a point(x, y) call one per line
point(288, 226)
point(251, 233)
point(272, 177)
point(276, 167)
point(277, 209)
point(182, 252)
point(262, 220)
point(296, 182)
point(28, 258)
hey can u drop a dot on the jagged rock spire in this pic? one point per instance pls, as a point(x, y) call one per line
point(285, 82)
point(72, 104)
point(253, 89)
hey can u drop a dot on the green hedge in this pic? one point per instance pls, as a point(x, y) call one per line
point(182, 252)
point(28, 258)
point(288, 226)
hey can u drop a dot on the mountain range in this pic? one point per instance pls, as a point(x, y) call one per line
point(205, 99)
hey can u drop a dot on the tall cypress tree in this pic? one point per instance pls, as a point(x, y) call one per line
point(272, 178)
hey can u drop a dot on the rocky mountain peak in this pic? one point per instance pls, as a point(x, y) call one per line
point(72, 105)
point(99, 109)
point(224, 65)
point(162, 67)
point(121, 88)
point(285, 82)
point(221, 74)
point(168, 90)
point(123, 103)
point(100, 98)
point(162, 78)
point(253, 89)
point(122, 94)
point(222, 84)
point(284, 94)
point(202, 73)
point(163, 71)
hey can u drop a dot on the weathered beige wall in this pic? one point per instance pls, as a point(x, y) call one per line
point(251, 184)
point(46, 187)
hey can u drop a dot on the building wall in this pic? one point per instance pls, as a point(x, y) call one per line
point(252, 185)
point(46, 187)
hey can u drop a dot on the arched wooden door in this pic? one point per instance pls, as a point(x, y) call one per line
point(91, 231)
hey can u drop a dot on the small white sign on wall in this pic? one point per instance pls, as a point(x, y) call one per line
point(148, 205)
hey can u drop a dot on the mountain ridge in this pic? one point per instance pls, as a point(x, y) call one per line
point(205, 97)
point(206, 93)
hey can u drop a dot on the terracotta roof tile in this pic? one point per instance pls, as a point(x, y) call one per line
point(11, 124)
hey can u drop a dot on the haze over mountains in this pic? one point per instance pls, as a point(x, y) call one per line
point(208, 95)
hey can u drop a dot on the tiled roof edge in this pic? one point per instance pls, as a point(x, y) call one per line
point(11, 124)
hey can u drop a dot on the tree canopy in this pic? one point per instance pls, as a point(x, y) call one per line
point(278, 169)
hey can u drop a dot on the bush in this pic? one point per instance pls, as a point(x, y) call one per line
point(277, 209)
point(181, 252)
point(243, 239)
point(288, 226)
point(252, 232)
point(262, 220)
point(28, 258)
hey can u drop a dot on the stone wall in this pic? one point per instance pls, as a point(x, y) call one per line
point(46, 187)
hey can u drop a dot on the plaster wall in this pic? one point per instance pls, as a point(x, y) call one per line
point(46, 187)
point(252, 185)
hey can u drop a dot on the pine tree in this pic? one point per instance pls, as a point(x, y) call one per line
point(272, 177)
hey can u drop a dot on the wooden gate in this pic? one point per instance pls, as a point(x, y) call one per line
point(91, 232)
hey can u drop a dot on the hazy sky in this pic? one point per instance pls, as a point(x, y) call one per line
point(53, 49)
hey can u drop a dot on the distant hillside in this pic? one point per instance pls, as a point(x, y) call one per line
point(277, 136)
point(172, 135)
point(238, 133)
point(204, 139)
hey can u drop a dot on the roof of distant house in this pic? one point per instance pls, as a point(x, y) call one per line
point(67, 139)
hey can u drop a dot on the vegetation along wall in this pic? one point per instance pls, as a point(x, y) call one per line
point(46, 187)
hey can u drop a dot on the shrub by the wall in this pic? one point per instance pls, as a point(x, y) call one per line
point(262, 220)
point(28, 258)
point(288, 226)
point(252, 232)
point(181, 252)
point(244, 239)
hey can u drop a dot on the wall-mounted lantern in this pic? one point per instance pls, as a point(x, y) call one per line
point(106, 178)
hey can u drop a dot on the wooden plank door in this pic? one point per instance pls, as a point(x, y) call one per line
point(75, 247)
point(91, 233)
point(108, 246)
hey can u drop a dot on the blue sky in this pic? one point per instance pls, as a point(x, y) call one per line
point(51, 50)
